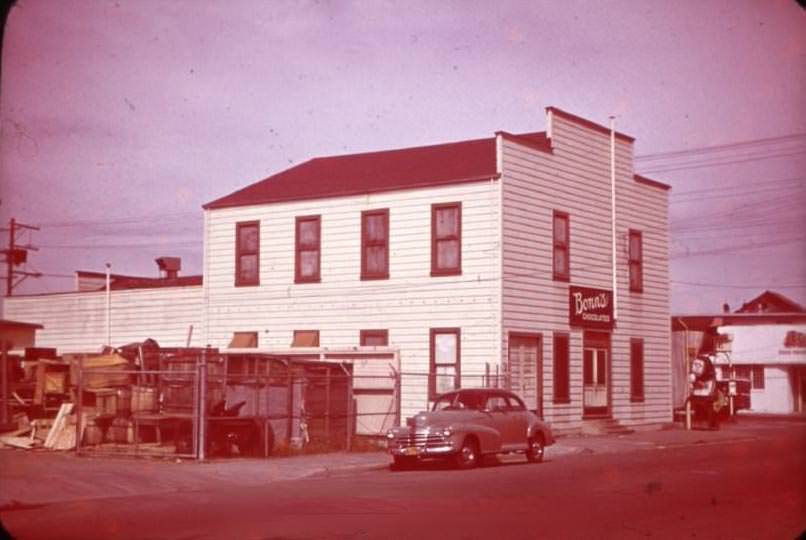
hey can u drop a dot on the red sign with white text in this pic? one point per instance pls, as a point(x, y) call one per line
point(590, 308)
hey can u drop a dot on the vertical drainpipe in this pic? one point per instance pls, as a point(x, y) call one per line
point(108, 305)
point(613, 214)
point(499, 169)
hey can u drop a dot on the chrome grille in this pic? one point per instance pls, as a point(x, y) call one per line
point(420, 439)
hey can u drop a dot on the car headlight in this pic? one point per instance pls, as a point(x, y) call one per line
point(447, 432)
point(390, 434)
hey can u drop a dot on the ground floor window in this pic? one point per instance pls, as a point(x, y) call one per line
point(305, 338)
point(754, 374)
point(243, 340)
point(757, 377)
point(444, 372)
point(374, 338)
point(636, 369)
point(562, 387)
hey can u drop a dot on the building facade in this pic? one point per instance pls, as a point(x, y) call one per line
point(537, 260)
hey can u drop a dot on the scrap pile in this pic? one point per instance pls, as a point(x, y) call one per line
point(42, 390)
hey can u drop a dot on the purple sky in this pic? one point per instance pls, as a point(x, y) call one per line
point(120, 118)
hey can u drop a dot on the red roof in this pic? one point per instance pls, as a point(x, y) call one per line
point(357, 174)
point(389, 170)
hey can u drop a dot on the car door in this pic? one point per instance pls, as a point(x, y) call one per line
point(506, 420)
point(518, 422)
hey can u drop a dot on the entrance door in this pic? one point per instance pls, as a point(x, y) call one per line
point(525, 370)
point(594, 379)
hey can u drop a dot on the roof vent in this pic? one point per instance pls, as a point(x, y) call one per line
point(169, 267)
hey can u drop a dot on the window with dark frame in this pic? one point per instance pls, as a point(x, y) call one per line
point(562, 241)
point(375, 244)
point(446, 239)
point(562, 386)
point(636, 254)
point(308, 249)
point(636, 369)
point(305, 338)
point(757, 381)
point(374, 338)
point(247, 253)
point(445, 364)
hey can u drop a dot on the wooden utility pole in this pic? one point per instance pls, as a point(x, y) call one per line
point(16, 255)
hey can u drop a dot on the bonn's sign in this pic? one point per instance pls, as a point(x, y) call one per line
point(590, 308)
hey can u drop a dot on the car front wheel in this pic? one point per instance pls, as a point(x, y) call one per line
point(536, 449)
point(468, 455)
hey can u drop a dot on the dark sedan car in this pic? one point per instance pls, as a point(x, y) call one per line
point(465, 425)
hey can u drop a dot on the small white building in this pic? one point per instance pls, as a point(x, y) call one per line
point(539, 256)
point(763, 342)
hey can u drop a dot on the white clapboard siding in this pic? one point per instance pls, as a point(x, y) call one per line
point(408, 304)
point(575, 178)
point(76, 322)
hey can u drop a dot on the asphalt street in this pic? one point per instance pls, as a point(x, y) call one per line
point(753, 488)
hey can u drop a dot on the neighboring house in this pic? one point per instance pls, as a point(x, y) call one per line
point(763, 342)
point(473, 258)
point(167, 309)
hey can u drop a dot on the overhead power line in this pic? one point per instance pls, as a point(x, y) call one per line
point(700, 165)
point(722, 147)
point(746, 286)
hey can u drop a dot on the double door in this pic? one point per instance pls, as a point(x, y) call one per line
point(595, 373)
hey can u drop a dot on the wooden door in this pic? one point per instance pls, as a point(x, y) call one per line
point(525, 369)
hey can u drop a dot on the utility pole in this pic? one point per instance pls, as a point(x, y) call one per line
point(16, 255)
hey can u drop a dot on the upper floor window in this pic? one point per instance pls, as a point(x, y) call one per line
point(561, 264)
point(446, 239)
point(375, 244)
point(374, 338)
point(247, 253)
point(636, 250)
point(308, 249)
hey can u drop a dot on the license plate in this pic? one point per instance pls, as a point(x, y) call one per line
point(410, 451)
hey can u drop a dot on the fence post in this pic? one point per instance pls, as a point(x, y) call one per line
point(79, 395)
point(397, 376)
point(350, 412)
point(202, 416)
point(289, 405)
point(328, 382)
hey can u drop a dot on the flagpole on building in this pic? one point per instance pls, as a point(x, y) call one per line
point(108, 305)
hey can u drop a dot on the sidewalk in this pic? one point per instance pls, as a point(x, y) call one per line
point(43, 477)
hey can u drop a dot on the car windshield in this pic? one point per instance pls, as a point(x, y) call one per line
point(457, 401)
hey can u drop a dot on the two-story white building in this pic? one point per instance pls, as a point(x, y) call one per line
point(540, 257)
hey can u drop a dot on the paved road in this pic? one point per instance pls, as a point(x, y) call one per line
point(754, 488)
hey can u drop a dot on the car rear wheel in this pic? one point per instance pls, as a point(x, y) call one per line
point(468, 455)
point(536, 450)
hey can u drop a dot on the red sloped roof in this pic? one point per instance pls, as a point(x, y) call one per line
point(356, 174)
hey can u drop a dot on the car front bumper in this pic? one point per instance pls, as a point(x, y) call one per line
point(421, 445)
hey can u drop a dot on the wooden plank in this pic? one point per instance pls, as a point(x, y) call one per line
point(59, 424)
point(17, 442)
